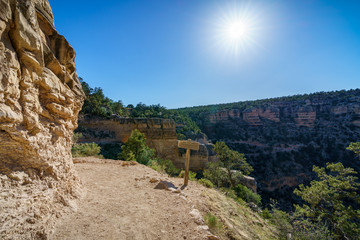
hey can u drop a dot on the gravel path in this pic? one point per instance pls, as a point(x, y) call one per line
point(120, 202)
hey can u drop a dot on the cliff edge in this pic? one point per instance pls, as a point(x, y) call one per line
point(40, 97)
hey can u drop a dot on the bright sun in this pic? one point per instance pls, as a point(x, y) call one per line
point(237, 29)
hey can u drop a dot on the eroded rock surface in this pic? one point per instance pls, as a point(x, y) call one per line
point(284, 138)
point(160, 135)
point(40, 97)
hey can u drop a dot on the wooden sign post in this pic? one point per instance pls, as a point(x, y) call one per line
point(189, 145)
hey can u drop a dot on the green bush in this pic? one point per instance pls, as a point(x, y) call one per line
point(130, 156)
point(85, 149)
point(297, 227)
point(206, 182)
point(282, 221)
point(145, 155)
point(212, 221)
point(247, 195)
point(215, 174)
point(135, 149)
point(169, 167)
point(76, 137)
point(192, 175)
point(230, 193)
point(156, 166)
point(164, 165)
point(266, 214)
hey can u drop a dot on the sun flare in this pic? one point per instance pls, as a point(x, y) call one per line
point(237, 29)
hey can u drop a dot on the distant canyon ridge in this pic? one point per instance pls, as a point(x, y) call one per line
point(283, 138)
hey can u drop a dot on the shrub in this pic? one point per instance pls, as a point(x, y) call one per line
point(206, 182)
point(192, 175)
point(130, 156)
point(229, 193)
point(85, 149)
point(135, 149)
point(266, 214)
point(164, 165)
point(145, 155)
point(169, 167)
point(247, 195)
point(294, 227)
point(215, 174)
point(212, 221)
point(282, 221)
point(156, 166)
point(76, 137)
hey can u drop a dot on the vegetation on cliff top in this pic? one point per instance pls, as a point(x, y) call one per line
point(96, 104)
point(341, 95)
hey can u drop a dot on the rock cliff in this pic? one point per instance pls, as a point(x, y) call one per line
point(283, 138)
point(40, 97)
point(160, 135)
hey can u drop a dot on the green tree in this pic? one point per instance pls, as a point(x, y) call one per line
point(97, 104)
point(330, 201)
point(215, 174)
point(231, 160)
point(136, 149)
point(354, 147)
point(247, 195)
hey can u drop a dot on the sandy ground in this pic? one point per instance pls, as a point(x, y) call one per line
point(120, 202)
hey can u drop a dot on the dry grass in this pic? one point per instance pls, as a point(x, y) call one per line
point(235, 221)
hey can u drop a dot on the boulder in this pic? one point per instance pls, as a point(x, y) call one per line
point(196, 215)
point(40, 98)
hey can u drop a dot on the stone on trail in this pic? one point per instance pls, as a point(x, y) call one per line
point(165, 185)
point(197, 216)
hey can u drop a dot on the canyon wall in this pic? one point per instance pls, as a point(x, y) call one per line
point(160, 135)
point(40, 97)
point(283, 138)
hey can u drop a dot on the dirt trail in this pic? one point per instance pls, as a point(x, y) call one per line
point(120, 202)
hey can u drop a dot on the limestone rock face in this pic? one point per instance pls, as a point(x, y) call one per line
point(40, 97)
point(283, 138)
point(160, 135)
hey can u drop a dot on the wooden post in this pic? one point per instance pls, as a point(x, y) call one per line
point(189, 145)
point(187, 165)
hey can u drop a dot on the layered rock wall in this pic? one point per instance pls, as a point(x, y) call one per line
point(160, 135)
point(40, 97)
point(303, 116)
point(283, 138)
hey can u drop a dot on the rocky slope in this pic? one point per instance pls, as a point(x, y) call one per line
point(283, 138)
point(40, 97)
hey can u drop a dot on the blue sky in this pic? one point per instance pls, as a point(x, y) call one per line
point(175, 52)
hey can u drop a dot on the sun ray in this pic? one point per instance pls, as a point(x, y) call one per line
point(236, 29)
